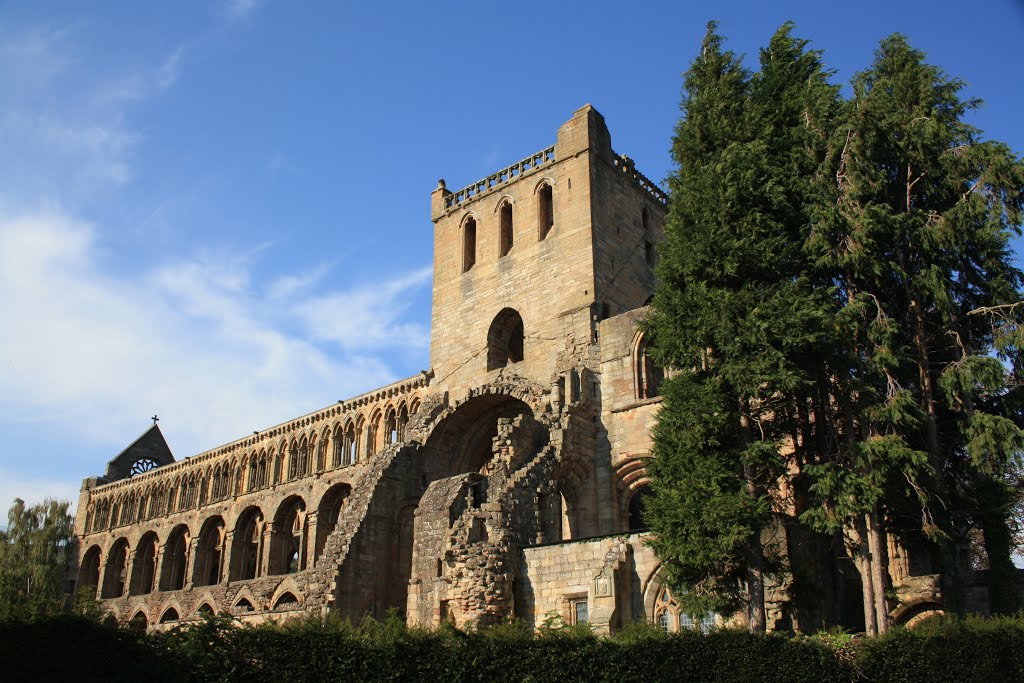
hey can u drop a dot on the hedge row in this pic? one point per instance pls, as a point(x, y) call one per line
point(77, 649)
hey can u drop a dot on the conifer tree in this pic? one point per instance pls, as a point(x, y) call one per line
point(837, 297)
point(917, 245)
point(737, 305)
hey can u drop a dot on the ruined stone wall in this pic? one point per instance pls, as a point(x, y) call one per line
point(192, 512)
point(612, 574)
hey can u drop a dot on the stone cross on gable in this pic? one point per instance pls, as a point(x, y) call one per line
point(155, 419)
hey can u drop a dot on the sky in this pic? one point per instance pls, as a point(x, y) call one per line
point(218, 212)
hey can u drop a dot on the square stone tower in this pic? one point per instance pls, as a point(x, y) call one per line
point(528, 260)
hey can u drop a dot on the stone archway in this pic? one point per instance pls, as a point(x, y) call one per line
point(470, 457)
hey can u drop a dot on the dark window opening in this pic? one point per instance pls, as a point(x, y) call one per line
point(545, 211)
point(649, 252)
point(505, 340)
point(505, 228)
point(637, 506)
point(468, 244)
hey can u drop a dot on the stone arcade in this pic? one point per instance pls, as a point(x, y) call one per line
point(504, 482)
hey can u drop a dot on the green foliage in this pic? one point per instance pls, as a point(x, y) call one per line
point(35, 550)
point(837, 292)
point(330, 649)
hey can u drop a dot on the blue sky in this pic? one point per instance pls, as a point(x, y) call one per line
point(219, 211)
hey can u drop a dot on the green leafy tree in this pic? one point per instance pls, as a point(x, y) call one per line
point(35, 552)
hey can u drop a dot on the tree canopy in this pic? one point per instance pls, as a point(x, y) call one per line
point(35, 552)
point(838, 299)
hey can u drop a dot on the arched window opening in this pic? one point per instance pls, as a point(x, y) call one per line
point(505, 225)
point(247, 546)
point(645, 220)
point(278, 466)
point(115, 576)
point(207, 571)
point(89, 572)
point(338, 457)
point(352, 440)
point(468, 244)
point(505, 339)
point(170, 615)
point(373, 435)
point(175, 558)
point(286, 602)
point(139, 622)
point(391, 427)
point(637, 507)
point(648, 376)
point(144, 566)
point(545, 211)
point(403, 420)
point(671, 618)
point(172, 495)
point(328, 514)
point(244, 605)
point(321, 453)
point(288, 543)
point(264, 467)
point(293, 461)
point(205, 609)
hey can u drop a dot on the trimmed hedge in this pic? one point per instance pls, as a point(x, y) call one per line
point(215, 650)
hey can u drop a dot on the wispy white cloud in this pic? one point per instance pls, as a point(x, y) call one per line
point(32, 490)
point(239, 9)
point(95, 353)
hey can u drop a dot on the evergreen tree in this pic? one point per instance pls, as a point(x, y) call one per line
point(736, 304)
point(837, 295)
point(918, 246)
point(35, 552)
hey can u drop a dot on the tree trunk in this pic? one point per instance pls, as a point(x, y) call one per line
point(879, 570)
point(857, 546)
point(755, 571)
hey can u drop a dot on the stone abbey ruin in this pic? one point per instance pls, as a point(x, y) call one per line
point(505, 482)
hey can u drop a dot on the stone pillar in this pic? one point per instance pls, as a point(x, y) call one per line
point(311, 531)
point(263, 569)
point(225, 557)
point(102, 576)
point(191, 548)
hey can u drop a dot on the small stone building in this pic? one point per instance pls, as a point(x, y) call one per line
point(505, 482)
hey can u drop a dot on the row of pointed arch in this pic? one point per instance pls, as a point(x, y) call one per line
point(289, 542)
point(341, 445)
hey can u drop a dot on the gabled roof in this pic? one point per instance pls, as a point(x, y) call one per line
point(150, 446)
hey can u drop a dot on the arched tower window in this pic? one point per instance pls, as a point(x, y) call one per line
point(648, 376)
point(505, 228)
point(545, 211)
point(637, 506)
point(468, 244)
point(505, 339)
point(645, 223)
